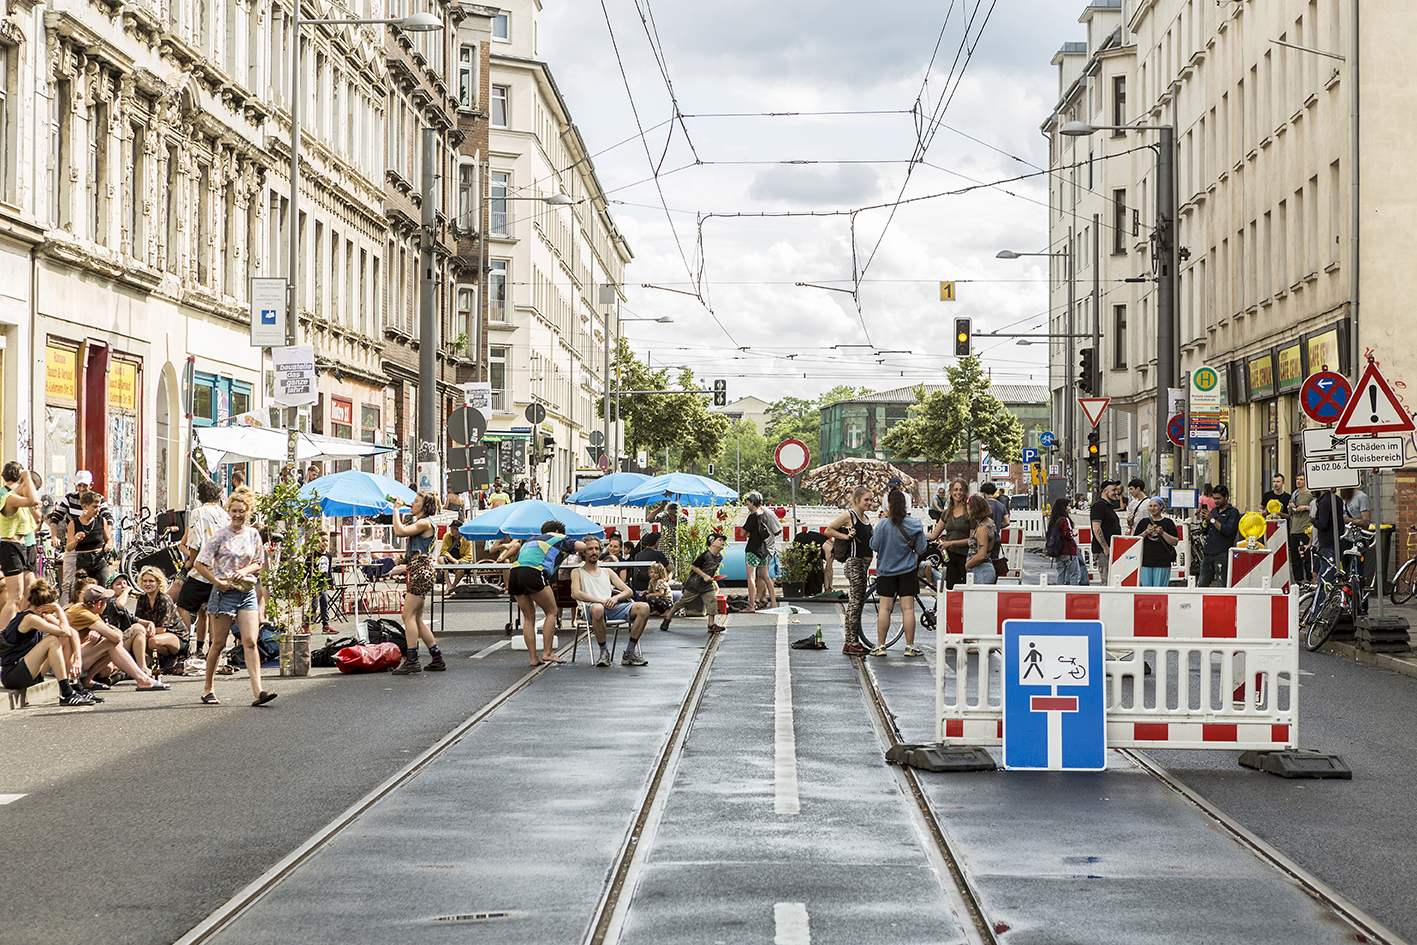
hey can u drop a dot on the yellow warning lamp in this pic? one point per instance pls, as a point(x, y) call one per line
point(1252, 527)
point(1273, 507)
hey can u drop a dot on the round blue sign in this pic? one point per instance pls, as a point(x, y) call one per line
point(1324, 395)
point(1047, 438)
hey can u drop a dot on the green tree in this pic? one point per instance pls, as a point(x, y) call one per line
point(943, 422)
point(842, 392)
point(669, 418)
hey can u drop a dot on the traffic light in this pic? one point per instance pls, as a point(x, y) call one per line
point(1087, 373)
point(963, 330)
point(1094, 446)
point(720, 393)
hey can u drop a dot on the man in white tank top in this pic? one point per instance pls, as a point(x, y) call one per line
point(605, 597)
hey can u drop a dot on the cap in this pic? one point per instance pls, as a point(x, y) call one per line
point(93, 594)
point(83, 477)
point(894, 481)
point(120, 575)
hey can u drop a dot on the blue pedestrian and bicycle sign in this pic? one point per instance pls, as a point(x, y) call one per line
point(1054, 702)
point(1047, 439)
point(1324, 395)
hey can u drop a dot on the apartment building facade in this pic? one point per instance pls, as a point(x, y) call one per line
point(1265, 153)
point(552, 251)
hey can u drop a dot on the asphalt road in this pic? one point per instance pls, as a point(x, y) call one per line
point(141, 816)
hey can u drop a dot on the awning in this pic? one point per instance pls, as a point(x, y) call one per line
point(241, 444)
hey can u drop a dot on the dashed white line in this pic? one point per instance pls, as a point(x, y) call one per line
point(785, 739)
point(490, 649)
point(793, 925)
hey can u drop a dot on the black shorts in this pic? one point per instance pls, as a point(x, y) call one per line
point(13, 559)
point(898, 585)
point(525, 581)
point(18, 676)
point(194, 594)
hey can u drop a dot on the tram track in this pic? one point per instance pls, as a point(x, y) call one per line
point(231, 910)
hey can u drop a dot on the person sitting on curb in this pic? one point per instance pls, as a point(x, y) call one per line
point(606, 597)
point(39, 638)
point(103, 643)
point(699, 586)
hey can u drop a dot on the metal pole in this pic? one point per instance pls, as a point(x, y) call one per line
point(1378, 537)
point(620, 428)
point(1070, 401)
point(606, 445)
point(738, 448)
point(1097, 328)
point(1165, 290)
point(292, 268)
point(427, 323)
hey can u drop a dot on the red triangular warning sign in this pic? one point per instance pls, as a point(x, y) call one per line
point(1093, 407)
point(1374, 408)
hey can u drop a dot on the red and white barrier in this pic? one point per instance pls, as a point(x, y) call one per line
point(1124, 569)
point(1267, 566)
point(1186, 667)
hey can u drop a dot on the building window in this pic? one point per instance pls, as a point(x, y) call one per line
point(497, 290)
point(467, 188)
point(368, 432)
point(467, 76)
point(1119, 222)
point(342, 417)
point(497, 204)
point(1119, 102)
point(1119, 336)
point(467, 315)
point(500, 95)
point(497, 374)
point(6, 136)
point(502, 26)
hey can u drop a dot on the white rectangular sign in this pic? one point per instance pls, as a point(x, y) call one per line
point(478, 395)
point(1329, 474)
point(1379, 452)
point(1322, 442)
point(1052, 661)
point(295, 375)
point(268, 310)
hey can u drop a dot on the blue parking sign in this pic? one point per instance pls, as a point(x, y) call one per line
point(1030, 455)
point(1054, 698)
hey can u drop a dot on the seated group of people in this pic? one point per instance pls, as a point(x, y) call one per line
point(97, 640)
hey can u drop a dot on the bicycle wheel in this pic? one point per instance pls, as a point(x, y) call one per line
point(870, 612)
point(1404, 585)
point(1314, 628)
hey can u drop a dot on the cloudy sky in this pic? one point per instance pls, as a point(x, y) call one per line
point(732, 60)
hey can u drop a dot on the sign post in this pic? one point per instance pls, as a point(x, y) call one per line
point(792, 456)
point(1054, 708)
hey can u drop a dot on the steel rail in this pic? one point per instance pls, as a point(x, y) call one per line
point(253, 891)
point(608, 919)
point(963, 898)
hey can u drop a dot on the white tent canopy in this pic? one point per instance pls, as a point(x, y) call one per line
point(241, 444)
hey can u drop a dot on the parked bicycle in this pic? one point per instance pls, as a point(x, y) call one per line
point(1335, 594)
point(1404, 584)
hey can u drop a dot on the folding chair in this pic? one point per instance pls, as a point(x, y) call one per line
point(617, 625)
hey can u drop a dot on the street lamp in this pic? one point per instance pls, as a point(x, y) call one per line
point(1069, 409)
point(1164, 252)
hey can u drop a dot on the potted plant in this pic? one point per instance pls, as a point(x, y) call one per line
point(292, 573)
point(801, 564)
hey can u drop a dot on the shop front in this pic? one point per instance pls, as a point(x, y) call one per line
point(93, 419)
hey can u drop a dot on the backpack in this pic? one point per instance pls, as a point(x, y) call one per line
point(1053, 547)
point(267, 646)
point(384, 630)
point(324, 657)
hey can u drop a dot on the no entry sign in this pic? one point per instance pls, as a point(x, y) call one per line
point(792, 456)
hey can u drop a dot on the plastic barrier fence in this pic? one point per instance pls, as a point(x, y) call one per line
point(1186, 667)
point(1265, 566)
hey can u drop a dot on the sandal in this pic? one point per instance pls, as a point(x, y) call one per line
point(155, 687)
point(263, 698)
point(211, 699)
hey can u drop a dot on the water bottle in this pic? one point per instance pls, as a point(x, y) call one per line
point(819, 636)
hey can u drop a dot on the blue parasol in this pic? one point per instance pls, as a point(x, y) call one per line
point(608, 490)
point(524, 520)
point(356, 493)
point(684, 488)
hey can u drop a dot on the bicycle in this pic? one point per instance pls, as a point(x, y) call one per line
point(1404, 583)
point(1335, 593)
point(925, 606)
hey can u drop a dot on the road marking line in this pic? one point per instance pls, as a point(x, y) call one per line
point(793, 927)
point(10, 798)
point(785, 739)
point(489, 649)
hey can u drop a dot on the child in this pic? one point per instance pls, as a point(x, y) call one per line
point(658, 596)
point(700, 586)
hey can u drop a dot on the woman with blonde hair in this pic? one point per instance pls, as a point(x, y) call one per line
point(169, 637)
point(230, 560)
point(418, 559)
point(983, 539)
point(954, 524)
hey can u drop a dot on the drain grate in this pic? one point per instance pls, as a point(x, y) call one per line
point(474, 916)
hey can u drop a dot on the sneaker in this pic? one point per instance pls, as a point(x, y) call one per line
point(93, 697)
point(664, 624)
point(879, 651)
point(409, 666)
point(914, 651)
point(854, 649)
point(77, 697)
point(633, 658)
point(436, 664)
point(604, 658)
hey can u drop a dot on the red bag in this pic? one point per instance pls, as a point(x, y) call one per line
point(368, 658)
